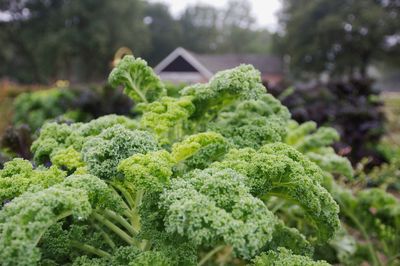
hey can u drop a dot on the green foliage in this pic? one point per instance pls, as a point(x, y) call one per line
point(166, 188)
point(56, 41)
point(387, 175)
point(18, 176)
point(243, 82)
point(290, 238)
point(166, 117)
point(35, 108)
point(375, 214)
point(323, 35)
point(67, 158)
point(151, 171)
point(279, 170)
point(103, 153)
point(284, 257)
point(67, 39)
point(54, 137)
point(198, 143)
point(139, 81)
point(26, 218)
point(126, 256)
point(32, 109)
point(315, 144)
point(254, 123)
point(230, 29)
point(220, 209)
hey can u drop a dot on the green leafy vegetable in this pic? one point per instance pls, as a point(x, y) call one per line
point(218, 175)
point(138, 79)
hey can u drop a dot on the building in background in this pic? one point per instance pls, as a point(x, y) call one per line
point(183, 66)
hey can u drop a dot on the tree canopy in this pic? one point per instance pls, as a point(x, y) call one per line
point(339, 37)
point(43, 41)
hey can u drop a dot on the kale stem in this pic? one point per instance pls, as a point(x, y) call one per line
point(121, 220)
point(63, 215)
point(115, 229)
point(106, 237)
point(128, 214)
point(146, 245)
point(136, 216)
point(138, 199)
point(90, 249)
point(209, 255)
point(136, 89)
point(116, 192)
point(126, 195)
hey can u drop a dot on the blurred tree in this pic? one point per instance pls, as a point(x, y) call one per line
point(230, 29)
point(68, 39)
point(340, 37)
point(45, 40)
point(165, 32)
point(239, 32)
point(200, 28)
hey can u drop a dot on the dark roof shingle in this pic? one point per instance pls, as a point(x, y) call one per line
point(217, 62)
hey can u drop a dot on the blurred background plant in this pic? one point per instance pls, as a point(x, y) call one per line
point(352, 107)
point(30, 110)
point(387, 175)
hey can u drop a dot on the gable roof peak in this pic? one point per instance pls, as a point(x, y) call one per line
point(208, 64)
point(188, 56)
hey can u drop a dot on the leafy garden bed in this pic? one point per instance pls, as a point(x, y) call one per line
point(218, 175)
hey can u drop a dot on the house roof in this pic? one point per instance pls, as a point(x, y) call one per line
point(208, 64)
point(264, 63)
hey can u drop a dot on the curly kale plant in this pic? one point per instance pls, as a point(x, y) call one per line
point(210, 177)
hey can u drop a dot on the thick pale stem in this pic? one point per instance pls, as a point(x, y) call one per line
point(146, 245)
point(90, 249)
point(136, 89)
point(106, 237)
point(122, 201)
point(121, 220)
point(125, 194)
point(132, 213)
point(136, 216)
point(115, 229)
point(138, 199)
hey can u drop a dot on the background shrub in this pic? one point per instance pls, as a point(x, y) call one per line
point(353, 108)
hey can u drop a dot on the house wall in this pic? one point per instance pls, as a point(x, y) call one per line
point(182, 77)
point(196, 77)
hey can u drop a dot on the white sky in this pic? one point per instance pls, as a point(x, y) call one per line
point(264, 10)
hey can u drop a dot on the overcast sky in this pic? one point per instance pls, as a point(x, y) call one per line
point(264, 10)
